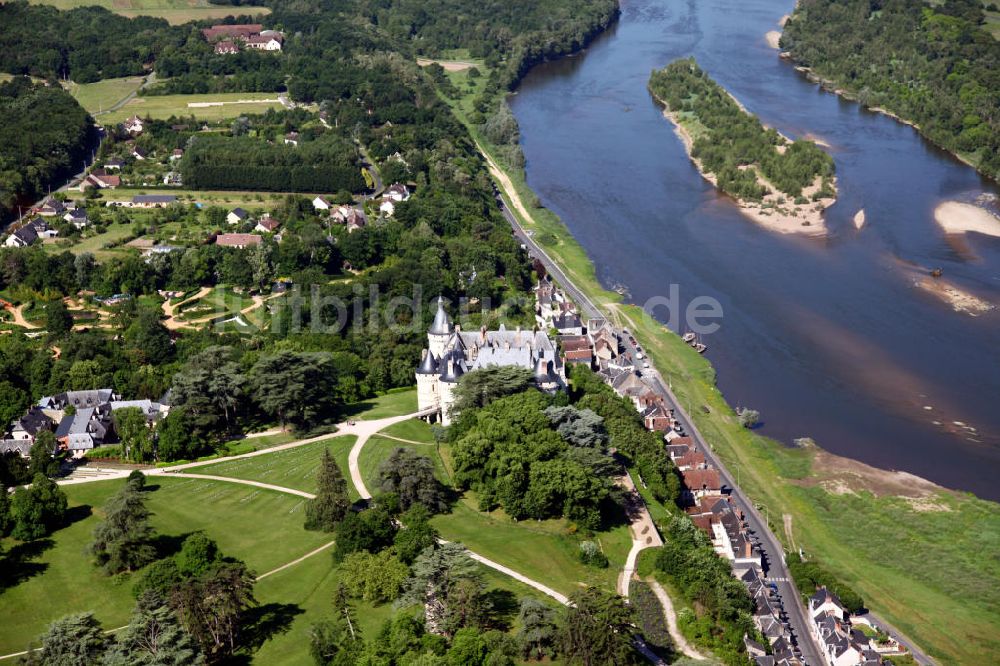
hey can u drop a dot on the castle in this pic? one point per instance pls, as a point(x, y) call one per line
point(451, 353)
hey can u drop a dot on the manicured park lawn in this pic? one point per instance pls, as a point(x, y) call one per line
point(415, 430)
point(100, 96)
point(264, 528)
point(394, 403)
point(291, 468)
point(174, 11)
point(215, 106)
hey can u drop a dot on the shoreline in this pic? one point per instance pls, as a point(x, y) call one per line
point(956, 217)
point(804, 219)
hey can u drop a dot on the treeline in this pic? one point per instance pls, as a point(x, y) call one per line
point(810, 576)
point(44, 137)
point(86, 44)
point(929, 63)
point(328, 164)
point(734, 145)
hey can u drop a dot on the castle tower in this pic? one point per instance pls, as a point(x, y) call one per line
point(427, 383)
point(450, 374)
point(440, 330)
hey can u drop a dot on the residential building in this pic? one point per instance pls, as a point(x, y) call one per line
point(237, 215)
point(267, 225)
point(320, 203)
point(133, 125)
point(51, 207)
point(77, 217)
point(150, 201)
point(238, 241)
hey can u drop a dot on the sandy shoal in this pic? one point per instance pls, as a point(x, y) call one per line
point(958, 218)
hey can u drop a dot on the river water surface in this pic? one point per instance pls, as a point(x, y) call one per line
point(827, 337)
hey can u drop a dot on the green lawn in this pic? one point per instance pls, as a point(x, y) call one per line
point(378, 449)
point(262, 527)
point(415, 430)
point(222, 106)
point(174, 11)
point(100, 96)
point(291, 468)
point(210, 197)
point(94, 244)
point(394, 403)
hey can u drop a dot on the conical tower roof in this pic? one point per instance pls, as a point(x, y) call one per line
point(441, 325)
point(429, 365)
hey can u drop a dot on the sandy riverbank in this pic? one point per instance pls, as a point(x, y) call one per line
point(959, 300)
point(773, 37)
point(787, 217)
point(958, 218)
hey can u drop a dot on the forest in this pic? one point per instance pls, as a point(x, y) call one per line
point(932, 64)
point(732, 143)
point(44, 137)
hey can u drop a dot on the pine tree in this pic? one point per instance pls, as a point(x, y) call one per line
point(154, 637)
point(332, 502)
point(75, 640)
point(122, 541)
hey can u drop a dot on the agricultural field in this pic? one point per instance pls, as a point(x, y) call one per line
point(174, 11)
point(210, 107)
point(98, 97)
point(291, 468)
point(262, 527)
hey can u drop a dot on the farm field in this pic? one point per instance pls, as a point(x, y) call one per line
point(262, 527)
point(98, 97)
point(292, 468)
point(216, 106)
point(174, 11)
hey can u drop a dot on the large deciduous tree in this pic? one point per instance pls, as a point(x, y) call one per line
point(38, 510)
point(295, 387)
point(134, 433)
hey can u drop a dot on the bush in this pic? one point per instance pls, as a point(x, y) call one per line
point(591, 555)
point(748, 417)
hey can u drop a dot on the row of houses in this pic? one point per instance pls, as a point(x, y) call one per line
point(229, 39)
point(80, 420)
point(351, 217)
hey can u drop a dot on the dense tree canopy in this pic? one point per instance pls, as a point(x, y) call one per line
point(734, 145)
point(930, 63)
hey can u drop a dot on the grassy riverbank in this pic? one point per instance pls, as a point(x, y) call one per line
point(918, 554)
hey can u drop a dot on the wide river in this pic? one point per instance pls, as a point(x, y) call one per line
point(827, 337)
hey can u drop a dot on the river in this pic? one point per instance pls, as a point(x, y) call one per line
point(826, 337)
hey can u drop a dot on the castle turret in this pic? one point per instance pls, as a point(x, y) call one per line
point(427, 382)
point(439, 331)
point(450, 374)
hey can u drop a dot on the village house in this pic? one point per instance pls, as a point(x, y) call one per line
point(701, 482)
point(50, 207)
point(77, 217)
point(238, 241)
point(27, 427)
point(842, 644)
point(267, 225)
point(451, 353)
point(292, 139)
point(351, 216)
point(237, 215)
point(133, 125)
point(85, 429)
point(115, 163)
point(576, 350)
point(147, 201)
point(226, 31)
point(139, 153)
point(226, 47)
point(266, 41)
point(320, 203)
point(29, 233)
point(100, 179)
point(567, 323)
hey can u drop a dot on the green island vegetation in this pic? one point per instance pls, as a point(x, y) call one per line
point(45, 136)
point(734, 146)
point(859, 536)
point(933, 64)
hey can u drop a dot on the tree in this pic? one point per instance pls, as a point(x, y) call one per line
point(198, 555)
point(597, 629)
point(376, 578)
point(38, 510)
point(122, 540)
point(411, 477)
point(75, 640)
point(149, 338)
point(416, 536)
point(748, 417)
point(209, 390)
point(6, 519)
point(135, 435)
point(433, 576)
point(42, 460)
point(212, 606)
point(370, 530)
point(295, 387)
point(58, 320)
point(480, 388)
point(13, 402)
point(154, 637)
point(537, 635)
point(579, 427)
point(467, 647)
point(174, 438)
point(331, 504)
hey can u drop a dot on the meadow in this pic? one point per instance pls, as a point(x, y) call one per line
point(208, 107)
point(48, 579)
point(174, 11)
point(98, 97)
